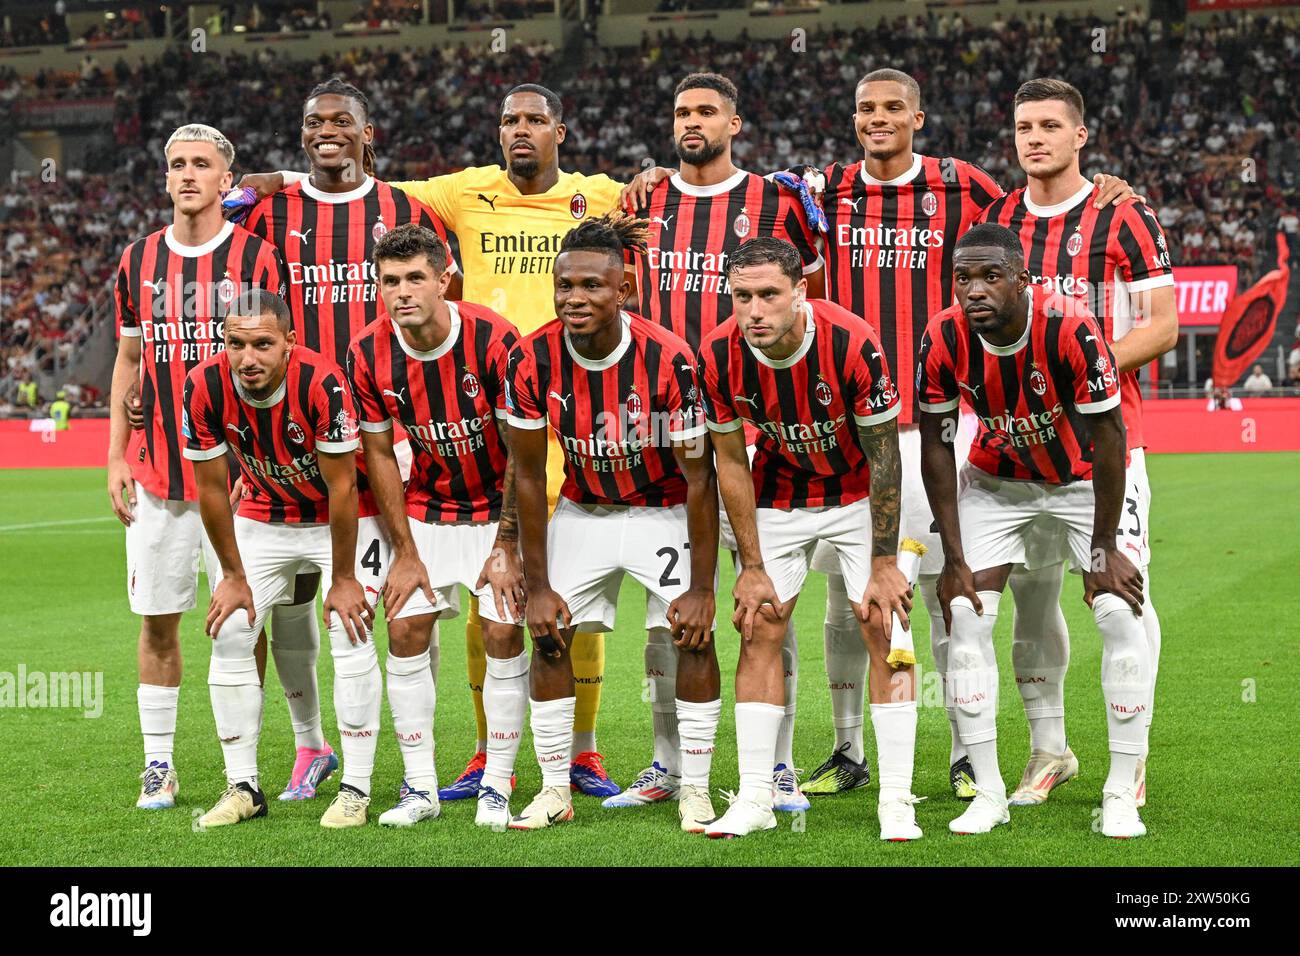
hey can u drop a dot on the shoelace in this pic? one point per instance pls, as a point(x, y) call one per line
point(730, 796)
point(494, 797)
point(230, 793)
point(352, 804)
point(648, 776)
point(409, 795)
point(153, 780)
point(593, 761)
point(787, 781)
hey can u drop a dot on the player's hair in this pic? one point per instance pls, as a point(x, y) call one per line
point(912, 87)
point(710, 81)
point(991, 234)
point(553, 102)
point(337, 86)
point(615, 233)
point(1048, 88)
point(765, 249)
point(257, 302)
point(410, 241)
point(198, 133)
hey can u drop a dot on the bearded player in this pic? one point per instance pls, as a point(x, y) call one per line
point(1050, 452)
point(172, 290)
point(1115, 260)
point(639, 498)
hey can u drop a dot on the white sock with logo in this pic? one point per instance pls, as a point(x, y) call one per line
point(157, 705)
point(895, 726)
point(505, 702)
point(1125, 684)
point(699, 727)
point(661, 677)
point(237, 709)
point(295, 647)
point(358, 692)
point(973, 676)
point(757, 726)
point(790, 669)
point(412, 698)
point(1040, 654)
point(846, 667)
point(1150, 624)
point(927, 587)
point(552, 722)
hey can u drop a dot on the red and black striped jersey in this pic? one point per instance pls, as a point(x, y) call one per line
point(889, 248)
point(327, 240)
point(449, 401)
point(1031, 397)
point(615, 419)
point(807, 407)
point(1104, 257)
point(275, 441)
point(175, 297)
point(682, 276)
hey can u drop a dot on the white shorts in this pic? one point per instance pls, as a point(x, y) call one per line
point(453, 554)
point(591, 547)
point(788, 540)
point(274, 554)
point(374, 555)
point(163, 545)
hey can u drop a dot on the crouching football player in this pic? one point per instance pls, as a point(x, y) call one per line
point(1049, 454)
point(287, 414)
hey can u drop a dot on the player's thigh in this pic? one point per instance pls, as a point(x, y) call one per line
point(374, 555)
point(1073, 507)
point(847, 530)
point(916, 520)
point(657, 552)
point(432, 543)
point(1135, 517)
point(786, 539)
point(272, 557)
point(162, 555)
point(996, 515)
point(585, 561)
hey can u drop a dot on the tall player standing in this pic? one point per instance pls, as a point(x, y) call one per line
point(699, 215)
point(326, 227)
point(1050, 452)
point(171, 292)
point(1115, 259)
point(639, 498)
point(811, 377)
point(438, 367)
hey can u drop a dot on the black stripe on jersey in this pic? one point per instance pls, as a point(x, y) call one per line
point(789, 406)
point(341, 251)
point(749, 385)
point(886, 289)
point(1128, 241)
point(189, 279)
point(1064, 383)
point(653, 359)
point(952, 202)
point(839, 353)
point(466, 410)
point(306, 379)
point(310, 317)
point(217, 406)
point(1055, 449)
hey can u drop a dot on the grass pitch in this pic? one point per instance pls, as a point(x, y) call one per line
point(1227, 549)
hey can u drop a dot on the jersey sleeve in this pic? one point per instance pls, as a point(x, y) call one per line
point(982, 189)
point(1143, 251)
point(876, 399)
point(259, 220)
point(685, 416)
point(1092, 366)
point(201, 427)
point(334, 414)
point(128, 320)
point(422, 215)
point(524, 407)
point(719, 410)
point(438, 193)
point(936, 372)
point(372, 416)
point(605, 193)
point(271, 272)
point(793, 226)
point(504, 341)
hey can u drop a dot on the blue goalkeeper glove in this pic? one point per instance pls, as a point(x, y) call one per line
point(811, 208)
point(236, 204)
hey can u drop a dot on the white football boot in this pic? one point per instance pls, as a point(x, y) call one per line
point(349, 809)
point(1043, 774)
point(159, 787)
point(694, 808)
point(412, 807)
point(493, 809)
point(1119, 815)
point(786, 795)
point(742, 818)
point(986, 811)
point(654, 785)
point(898, 819)
point(552, 805)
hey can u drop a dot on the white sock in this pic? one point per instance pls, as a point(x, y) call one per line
point(295, 646)
point(1125, 684)
point(412, 698)
point(157, 705)
point(661, 681)
point(237, 707)
point(939, 642)
point(699, 727)
point(757, 726)
point(895, 726)
point(358, 691)
point(1150, 624)
point(505, 701)
point(974, 686)
point(435, 652)
point(790, 668)
point(1040, 654)
point(846, 667)
point(552, 722)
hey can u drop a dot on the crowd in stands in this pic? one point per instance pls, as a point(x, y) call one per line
point(1200, 121)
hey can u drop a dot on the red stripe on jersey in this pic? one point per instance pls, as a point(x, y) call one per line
point(1093, 255)
point(1031, 426)
point(807, 414)
point(889, 250)
point(275, 444)
point(681, 278)
point(175, 302)
point(450, 406)
point(616, 425)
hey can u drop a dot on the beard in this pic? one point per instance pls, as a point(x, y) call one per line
point(701, 155)
point(525, 167)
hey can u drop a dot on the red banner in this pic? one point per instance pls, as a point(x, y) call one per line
point(1250, 320)
point(1204, 293)
point(1194, 6)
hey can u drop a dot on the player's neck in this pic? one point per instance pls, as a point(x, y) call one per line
point(791, 342)
point(599, 345)
point(341, 180)
point(1055, 189)
point(545, 179)
point(430, 335)
point(717, 170)
point(888, 168)
point(194, 229)
point(1014, 329)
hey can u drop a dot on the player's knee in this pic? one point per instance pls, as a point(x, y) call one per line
point(502, 640)
point(160, 634)
point(410, 636)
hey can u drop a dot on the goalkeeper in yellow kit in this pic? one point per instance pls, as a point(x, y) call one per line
point(508, 224)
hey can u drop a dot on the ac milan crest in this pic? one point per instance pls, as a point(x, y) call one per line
point(634, 406)
point(578, 206)
point(1038, 381)
point(742, 224)
point(1075, 244)
point(226, 290)
point(929, 203)
point(469, 384)
point(823, 393)
point(378, 231)
point(295, 432)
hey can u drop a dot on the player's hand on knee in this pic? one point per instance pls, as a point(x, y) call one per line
point(505, 573)
point(889, 592)
point(406, 575)
point(121, 490)
point(956, 580)
point(548, 618)
point(691, 619)
point(1113, 572)
point(231, 594)
point(347, 599)
point(755, 594)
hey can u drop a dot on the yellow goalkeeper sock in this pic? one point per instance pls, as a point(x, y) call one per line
point(476, 664)
point(588, 656)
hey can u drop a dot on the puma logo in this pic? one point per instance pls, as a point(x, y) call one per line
point(751, 402)
point(238, 431)
point(662, 222)
point(1090, 338)
point(851, 203)
point(400, 394)
point(154, 287)
point(974, 390)
point(491, 202)
point(302, 236)
point(564, 402)
point(336, 388)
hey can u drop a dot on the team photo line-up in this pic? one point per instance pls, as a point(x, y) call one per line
point(532, 383)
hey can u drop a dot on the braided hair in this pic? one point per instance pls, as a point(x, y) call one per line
point(338, 86)
point(615, 233)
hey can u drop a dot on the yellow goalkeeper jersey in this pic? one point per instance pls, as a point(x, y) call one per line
point(507, 241)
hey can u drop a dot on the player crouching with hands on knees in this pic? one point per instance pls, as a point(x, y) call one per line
point(287, 414)
point(1049, 453)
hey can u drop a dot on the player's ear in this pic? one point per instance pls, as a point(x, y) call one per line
point(1081, 137)
point(736, 124)
point(560, 131)
point(368, 133)
point(918, 119)
point(227, 179)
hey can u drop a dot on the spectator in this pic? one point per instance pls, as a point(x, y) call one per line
point(1257, 383)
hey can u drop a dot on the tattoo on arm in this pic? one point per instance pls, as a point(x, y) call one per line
point(880, 442)
point(508, 529)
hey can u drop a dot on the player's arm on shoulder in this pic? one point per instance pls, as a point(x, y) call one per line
point(268, 184)
point(1114, 191)
point(123, 394)
point(436, 192)
point(636, 194)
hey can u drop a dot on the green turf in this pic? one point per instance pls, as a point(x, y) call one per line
point(1221, 775)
